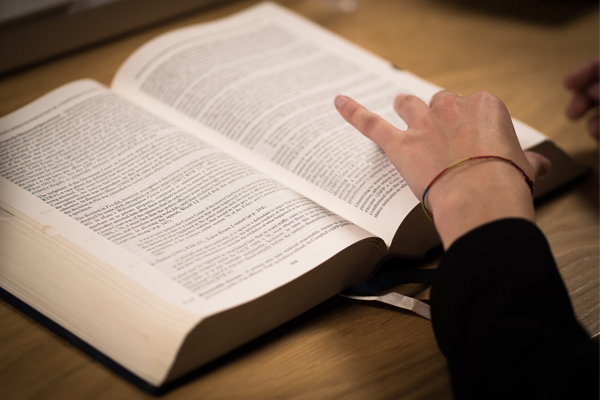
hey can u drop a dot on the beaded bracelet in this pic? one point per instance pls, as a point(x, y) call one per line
point(426, 210)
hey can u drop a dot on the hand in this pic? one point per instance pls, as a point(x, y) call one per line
point(450, 129)
point(584, 82)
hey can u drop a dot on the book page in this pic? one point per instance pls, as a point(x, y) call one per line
point(264, 81)
point(170, 211)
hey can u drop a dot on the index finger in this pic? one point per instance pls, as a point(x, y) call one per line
point(583, 75)
point(369, 124)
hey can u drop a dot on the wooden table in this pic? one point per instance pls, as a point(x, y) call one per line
point(520, 51)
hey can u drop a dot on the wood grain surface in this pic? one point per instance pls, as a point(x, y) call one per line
point(519, 51)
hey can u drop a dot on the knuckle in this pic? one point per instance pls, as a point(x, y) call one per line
point(486, 96)
point(488, 99)
point(365, 121)
point(371, 123)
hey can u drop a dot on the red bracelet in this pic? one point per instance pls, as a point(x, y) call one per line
point(426, 210)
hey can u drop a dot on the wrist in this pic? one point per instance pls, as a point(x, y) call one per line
point(476, 193)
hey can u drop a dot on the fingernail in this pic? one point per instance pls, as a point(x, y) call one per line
point(340, 101)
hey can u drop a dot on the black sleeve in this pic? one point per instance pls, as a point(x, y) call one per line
point(504, 321)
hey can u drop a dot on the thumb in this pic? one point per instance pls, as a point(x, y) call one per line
point(541, 165)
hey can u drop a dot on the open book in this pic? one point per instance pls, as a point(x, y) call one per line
point(211, 194)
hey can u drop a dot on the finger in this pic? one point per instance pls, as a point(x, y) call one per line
point(409, 107)
point(440, 95)
point(594, 126)
point(541, 165)
point(369, 124)
point(594, 92)
point(579, 105)
point(582, 76)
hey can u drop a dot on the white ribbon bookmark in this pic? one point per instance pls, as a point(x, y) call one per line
point(398, 300)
